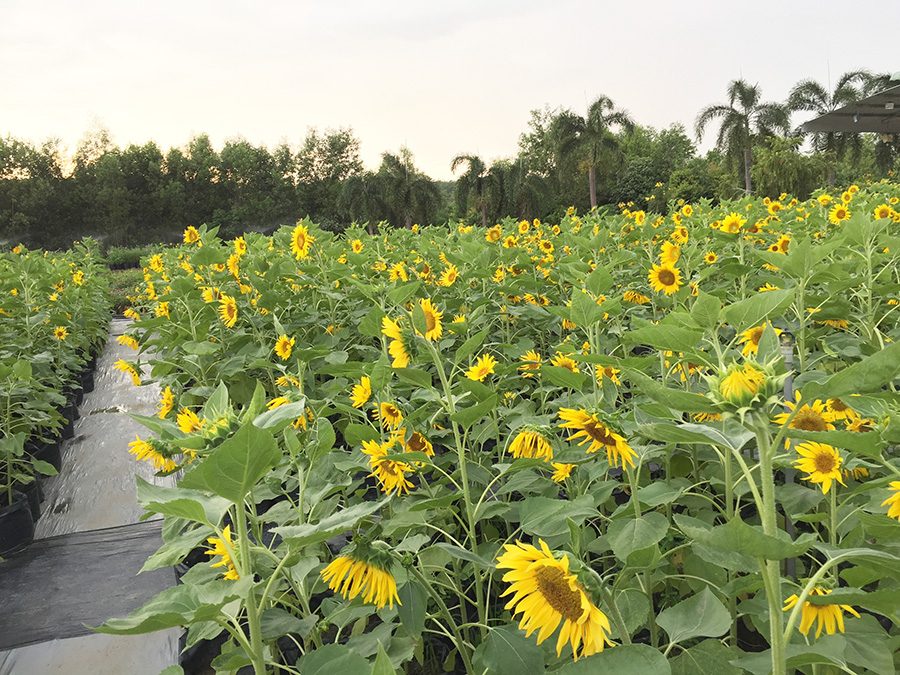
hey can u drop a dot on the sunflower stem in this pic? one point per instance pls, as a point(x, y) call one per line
point(253, 625)
point(461, 644)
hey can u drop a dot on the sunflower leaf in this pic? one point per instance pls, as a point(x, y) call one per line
point(506, 651)
point(868, 375)
point(701, 615)
point(746, 314)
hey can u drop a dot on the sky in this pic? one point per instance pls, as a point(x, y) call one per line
point(442, 78)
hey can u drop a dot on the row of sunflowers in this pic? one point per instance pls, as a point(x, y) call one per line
point(611, 441)
point(53, 316)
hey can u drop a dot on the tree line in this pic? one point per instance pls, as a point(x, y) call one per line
point(141, 194)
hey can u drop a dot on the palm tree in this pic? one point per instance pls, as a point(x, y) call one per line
point(410, 194)
point(526, 191)
point(809, 95)
point(362, 199)
point(472, 183)
point(591, 136)
point(744, 123)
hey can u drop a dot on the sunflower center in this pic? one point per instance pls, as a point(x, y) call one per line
point(838, 405)
point(555, 589)
point(416, 443)
point(666, 277)
point(756, 335)
point(825, 462)
point(430, 321)
point(599, 433)
point(809, 420)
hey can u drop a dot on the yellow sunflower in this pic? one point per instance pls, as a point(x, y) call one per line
point(829, 617)
point(750, 339)
point(61, 333)
point(353, 576)
point(191, 235)
point(390, 415)
point(665, 279)
point(732, 223)
point(562, 361)
point(483, 367)
point(146, 450)
point(598, 434)
point(893, 500)
point(391, 474)
point(418, 443)
point(397, 348)
point(356, 246)
point(301, 240)
point(635, 297)
point(166, 403)
point(361, 392)
point(883, 211)
point(740, 385)
point(546, 593)
point(710, 258)
point(449, 276)
point(283, 347)
point(838, 214)
point(224, 547)
point(822, 463)
point(813, 417)
point(532, 444)
point(494, 234)
point(240, 246)
point(188, 422)
point(670, 253)
point(434, 329)
point(228, 310)
point(128, 341)
point(124, 367)
point(531, 363)
point(838, 409)
point(561, 471)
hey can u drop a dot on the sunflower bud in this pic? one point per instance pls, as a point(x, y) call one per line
point(741, 386)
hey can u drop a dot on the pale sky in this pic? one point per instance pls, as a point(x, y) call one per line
point(443, 78)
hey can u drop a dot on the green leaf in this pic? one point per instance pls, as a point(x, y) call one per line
point(471, 345)
point(736, 562)
point(181, 503)
point(400, 295)
point(419, 378)
point(599, 281)
point(666, 336)
point(738, 536)
point(689, 434)
point(382, 665)
point(325, 438)
point(754, 310)
point(705, 310)
point(701, 615)
point(217, 404)
point(355, 434)
point(627, 535)
point(43, 468)
point(673, 398)
point(413, 607)
point(584, 311)
point(633, 659)
point(546, 517)
point(868, 645)
point(464, 554)
point(869, 375)
point(172, 670)
point(468, 416)
point(506, 651)
point(710, 656)
point(370, 324)
point(883, 602)
point(233, 468)
point(281, 416)
point(333, 659)
point(563, 377)
point(345, 519)
point(276, 622)
point(828, 649)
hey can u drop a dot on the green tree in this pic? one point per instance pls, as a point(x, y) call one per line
point(322, 163)
point(474, 185)
point(779, 167)
point(411, 195)
point(745, 121)
point(810, 96)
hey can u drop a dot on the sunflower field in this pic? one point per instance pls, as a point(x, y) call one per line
point(614, 443)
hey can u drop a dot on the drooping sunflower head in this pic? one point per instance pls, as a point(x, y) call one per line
point(362, 569)
point(228, 312)
point(562, 361)
point(599, 434)
point(822, 462)
point(390, 474)
point(531, 363)
point(399, 346)
point(166, 403)
point(665, 279)
point(390, 415)
point(224, 547)
point(153, 450)
point(532, 443)
point(829, 617)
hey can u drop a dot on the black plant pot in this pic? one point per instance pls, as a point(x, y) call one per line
point(35, 495)
point(48, 452)
point(87, 381)
point(16, 524)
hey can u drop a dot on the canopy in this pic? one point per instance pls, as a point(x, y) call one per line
point(879, 113)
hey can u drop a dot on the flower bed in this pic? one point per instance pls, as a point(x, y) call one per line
point(505, 450)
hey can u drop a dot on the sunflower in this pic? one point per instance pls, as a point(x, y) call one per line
point(828, 616)
point(449, 276)
point(764, 289)
point(813, 417)
point(397, 348)
point(283, 347)
point(563, 361)
point(858, 424)
point(774, 208)
point(128, 341)
point(162, 309)
point(224, 547)
point(732, 223)
point(301, 241)
point(240, 246)
point(670, 253)
point(531, 362)
point(750, 339)
point(883, 211)
point(418, 443)
point(823, 199)
point(511, 241)
point(838, 214)
point(710, 258)
point(398, 272)
point(60, 333)
point(665, 279)
point(546, 593)
point(361, 392)
point(739, 385)
point(561, 471)
point(893, 500)
point(228, 310)
point(390, 415)
point(124, 367)
point(353, 576)
point(608, 373)
point(391, 474)
point(635, 297)
point(145, 450)
point(680, 234)
point(524, 226)
point(356, 246)
point(483, 367)
point(188, 422)
point(838, 409)
point(687, 211)
point(532, 444)
point(822, 463)
point(434, 329)
point(598, 434)
point(166, 403)
point(191, 235)
point(494, 234)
